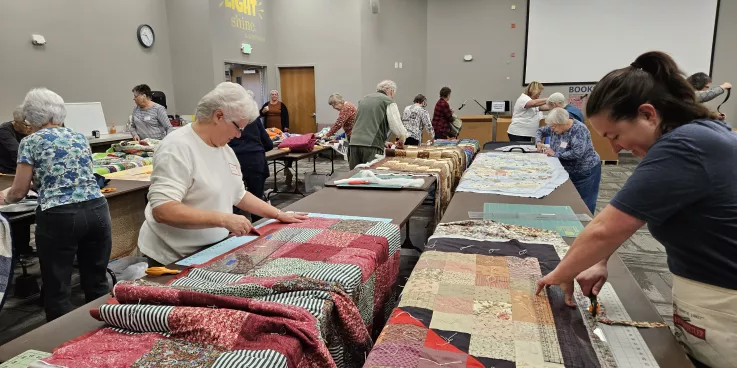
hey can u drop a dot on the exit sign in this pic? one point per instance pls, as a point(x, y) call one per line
point(246, 48)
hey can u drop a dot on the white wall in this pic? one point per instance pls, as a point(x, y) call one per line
point(92, 53)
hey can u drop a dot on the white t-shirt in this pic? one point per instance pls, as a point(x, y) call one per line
point(189, 171)
point(524, 121)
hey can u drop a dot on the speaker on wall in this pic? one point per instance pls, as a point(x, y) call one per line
point(374, 6)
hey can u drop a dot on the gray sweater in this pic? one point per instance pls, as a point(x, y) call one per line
point(709, 94)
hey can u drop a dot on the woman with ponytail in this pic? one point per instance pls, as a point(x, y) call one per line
point(683, 189)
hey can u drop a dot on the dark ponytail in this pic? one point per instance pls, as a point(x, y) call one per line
point(652, 78)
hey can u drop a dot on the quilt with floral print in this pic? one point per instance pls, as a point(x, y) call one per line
point(470, 302)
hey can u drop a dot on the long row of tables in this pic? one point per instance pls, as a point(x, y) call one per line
point(399, 206)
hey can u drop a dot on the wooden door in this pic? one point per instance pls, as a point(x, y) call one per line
point(298, 94)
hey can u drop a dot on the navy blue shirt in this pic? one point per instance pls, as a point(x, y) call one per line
point(686, 190)
point(574, 112)
point(253, 140)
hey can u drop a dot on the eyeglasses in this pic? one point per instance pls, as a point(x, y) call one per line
point(237, 127)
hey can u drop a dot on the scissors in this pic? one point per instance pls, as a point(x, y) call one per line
point(594, 305)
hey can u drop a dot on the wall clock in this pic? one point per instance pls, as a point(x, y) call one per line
point(146, 35)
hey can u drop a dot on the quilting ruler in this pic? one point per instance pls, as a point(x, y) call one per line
point(221, 248)
point(529, 216)
point(627, 345)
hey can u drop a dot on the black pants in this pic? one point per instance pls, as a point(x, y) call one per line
point(81, 229)
point(411, 142)
point(20, 232)
point(519, 138)
point(255, 171)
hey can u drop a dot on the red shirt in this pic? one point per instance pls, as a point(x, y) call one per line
point(346, 119)
point(441, 120)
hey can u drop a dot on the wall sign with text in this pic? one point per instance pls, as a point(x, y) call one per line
point(246, 15)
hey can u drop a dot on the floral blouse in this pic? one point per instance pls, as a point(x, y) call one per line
point(62, 166)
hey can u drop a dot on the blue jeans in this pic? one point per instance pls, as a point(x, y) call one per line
point(587, 185)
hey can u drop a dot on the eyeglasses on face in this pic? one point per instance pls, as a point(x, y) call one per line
point(237, 127)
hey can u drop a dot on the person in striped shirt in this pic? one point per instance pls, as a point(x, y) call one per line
point(149, 119)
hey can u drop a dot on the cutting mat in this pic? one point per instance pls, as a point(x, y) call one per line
point(627, 345)
point(568, 228)
point(218, 249)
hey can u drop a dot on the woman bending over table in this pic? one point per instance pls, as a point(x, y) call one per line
point(570, 141)
point(196, 181)
point(72, 218)
point(683, 189)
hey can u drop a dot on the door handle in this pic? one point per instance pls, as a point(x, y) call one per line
point(314, 115)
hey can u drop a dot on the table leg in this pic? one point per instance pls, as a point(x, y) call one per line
point(407, 241)
point(296, 179)
point(314, 163)
point(332, 162)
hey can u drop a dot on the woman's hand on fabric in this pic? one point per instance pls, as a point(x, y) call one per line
point(593, 279)
point(540, 147)
point(136, 138)
point(549, 152)
point(238, 225)
point(3, 195)
point(291, 217)
point(552, 280)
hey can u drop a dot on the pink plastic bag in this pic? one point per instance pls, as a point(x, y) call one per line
point(302, 143)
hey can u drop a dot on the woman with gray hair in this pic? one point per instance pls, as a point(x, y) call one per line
point(196, 181)
point(570, 141)
point(72, 217)
point(346, 115)
point(558, 100)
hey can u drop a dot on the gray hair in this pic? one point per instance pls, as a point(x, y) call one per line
point(386, 86)
point(335, 98)
point(557, 116)
point(557, 98)
point(230, 98)
point(273, 90)
point(18, 115)
point(42, 106)
point(250, 93)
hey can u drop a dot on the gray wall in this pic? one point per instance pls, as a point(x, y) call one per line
point(191, 53)
point(725, 58)
point(325, 34)
point(92, 53)
point(397, 34)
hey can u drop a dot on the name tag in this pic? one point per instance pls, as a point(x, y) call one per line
point(235, 170)
point(563, 144)
point(146, 118)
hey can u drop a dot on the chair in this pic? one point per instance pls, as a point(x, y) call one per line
point(158, 97)
point(491, 146)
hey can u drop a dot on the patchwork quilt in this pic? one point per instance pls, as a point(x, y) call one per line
point(143, 148)
point(444, 170)
point(338, 272)
point(106, 163)
point(469, 146)
point(470, 302)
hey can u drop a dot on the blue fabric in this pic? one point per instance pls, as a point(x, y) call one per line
point(587, 185)
point(574, 112)
point(684, 188)
point(62, 166)
point(578, 155)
